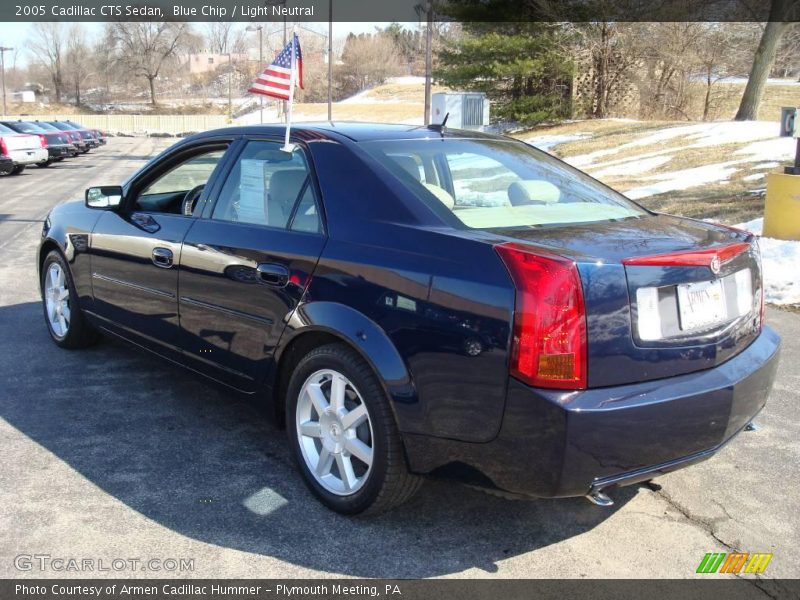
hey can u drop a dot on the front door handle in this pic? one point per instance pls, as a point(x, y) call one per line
point(272, 274)
point(162, 257)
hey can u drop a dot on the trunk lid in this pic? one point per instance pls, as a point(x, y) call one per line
point(21, 141)
point(663, 295)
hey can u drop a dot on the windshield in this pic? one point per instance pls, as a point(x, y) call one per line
point(490, 184)
point(46, 126)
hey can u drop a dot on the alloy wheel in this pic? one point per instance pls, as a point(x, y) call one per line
point(56, 295)
point(335, 432)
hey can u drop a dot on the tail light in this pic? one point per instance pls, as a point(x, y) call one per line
point(3, 147)
point(549, 344)
point(43, 140)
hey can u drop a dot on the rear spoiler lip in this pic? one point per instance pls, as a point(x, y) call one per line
point(713, 258)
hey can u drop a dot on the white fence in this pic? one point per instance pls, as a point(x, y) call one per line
point(133, 124)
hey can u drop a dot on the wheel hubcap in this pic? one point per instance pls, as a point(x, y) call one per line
point(335, 432)
point(56, 298)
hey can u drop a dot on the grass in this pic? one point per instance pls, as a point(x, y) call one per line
point(385, 113)
point(775, 97)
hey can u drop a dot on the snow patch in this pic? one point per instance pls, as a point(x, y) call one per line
point(754, 177)
point(767, 165)
point(547, 142)
point(683, 179)
point(781, 265)
point(633, 166)
point(779, 148)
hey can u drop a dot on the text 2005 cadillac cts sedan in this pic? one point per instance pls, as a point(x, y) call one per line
point(415, 301)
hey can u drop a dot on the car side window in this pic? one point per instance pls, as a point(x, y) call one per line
point(168, 192)
point(264, 187)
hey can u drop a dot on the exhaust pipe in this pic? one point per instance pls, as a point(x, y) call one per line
point(599, 498)
point(751, 426)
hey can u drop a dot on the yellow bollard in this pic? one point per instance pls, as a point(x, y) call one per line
point(782, 207)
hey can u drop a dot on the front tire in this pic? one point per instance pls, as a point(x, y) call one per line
point(66, 323)
point(45, 164)
point(343, 435)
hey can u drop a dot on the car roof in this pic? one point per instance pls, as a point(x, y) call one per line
point(356, 131)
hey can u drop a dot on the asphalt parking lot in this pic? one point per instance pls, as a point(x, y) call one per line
point(110, 453)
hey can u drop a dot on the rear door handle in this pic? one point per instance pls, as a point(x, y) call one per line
point(162, 257)
point(273, 274)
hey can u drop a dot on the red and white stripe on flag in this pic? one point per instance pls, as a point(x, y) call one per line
point(276, 78)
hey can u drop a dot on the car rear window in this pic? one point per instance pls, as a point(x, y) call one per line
point(28, 127)
point(488, 184)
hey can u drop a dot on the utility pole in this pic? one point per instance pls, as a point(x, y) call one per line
point(428, 66)
point(284, 102)
point(230, 77)
point(3, 50)
point(330, 60)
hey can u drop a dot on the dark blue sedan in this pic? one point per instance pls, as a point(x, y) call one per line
point(413, 301)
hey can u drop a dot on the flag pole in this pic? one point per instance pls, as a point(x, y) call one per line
point(286, 146)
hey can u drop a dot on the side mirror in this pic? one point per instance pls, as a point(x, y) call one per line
point(106, 197)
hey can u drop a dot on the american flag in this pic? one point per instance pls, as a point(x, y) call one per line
point(274, 81)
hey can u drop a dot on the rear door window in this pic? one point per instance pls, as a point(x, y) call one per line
point(269, 187)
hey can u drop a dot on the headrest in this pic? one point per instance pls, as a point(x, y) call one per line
point(409, 165)
point(533, 191)
point(442, 195)
point(285, 184)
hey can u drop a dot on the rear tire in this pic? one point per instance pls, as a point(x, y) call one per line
point(65, 321)
point(17, 169)
point(346, 445)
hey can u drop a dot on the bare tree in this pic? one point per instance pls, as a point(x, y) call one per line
point(764, 58)
point(722, 51)
point(77, 60)
point(48, 45)
point(144, 47)
point(786, 61)
point(367, 60)
point(225, 37)
point(604, 47)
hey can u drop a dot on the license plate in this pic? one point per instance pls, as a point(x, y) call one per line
point(701, 304)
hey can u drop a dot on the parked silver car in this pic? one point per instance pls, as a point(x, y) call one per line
point(23, 149)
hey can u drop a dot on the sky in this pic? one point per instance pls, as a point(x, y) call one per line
point(16, 35)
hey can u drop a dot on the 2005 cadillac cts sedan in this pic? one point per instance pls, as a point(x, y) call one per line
point(414, 301)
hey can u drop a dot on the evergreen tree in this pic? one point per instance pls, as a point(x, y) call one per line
point(521, 67)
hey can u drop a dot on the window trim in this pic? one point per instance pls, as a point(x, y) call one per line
point(311, 179)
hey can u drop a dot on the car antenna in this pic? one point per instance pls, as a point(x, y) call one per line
point(439, 126)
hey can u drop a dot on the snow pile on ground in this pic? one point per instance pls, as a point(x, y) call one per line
point(781, 262)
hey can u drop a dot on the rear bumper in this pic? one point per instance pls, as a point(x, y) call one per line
point(28, 157)
point(59, 151)
point(555, 444)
